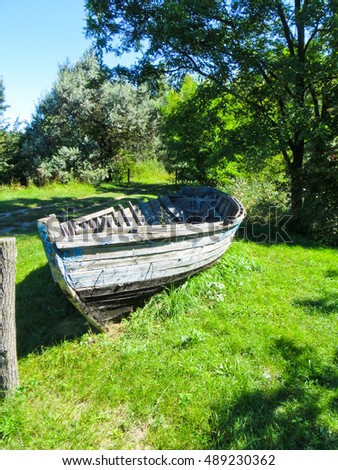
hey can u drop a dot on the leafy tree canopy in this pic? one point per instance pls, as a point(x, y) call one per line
point(196, 129)
point(88, 126)
point(277, 57)
point(3, 127)
point(2, 99)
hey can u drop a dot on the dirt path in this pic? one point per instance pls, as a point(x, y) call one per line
point(9, 216)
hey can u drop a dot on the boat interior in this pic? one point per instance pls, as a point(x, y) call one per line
point(190, 205)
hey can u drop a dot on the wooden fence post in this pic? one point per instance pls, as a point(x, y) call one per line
point(9, 378)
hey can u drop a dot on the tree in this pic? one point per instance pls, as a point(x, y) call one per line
point(196, 127)
point(277, 57)
point(88, 126)
point(2, 101)
point(2, 122)
point(9, 141)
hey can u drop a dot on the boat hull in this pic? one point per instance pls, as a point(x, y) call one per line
point(106, 275)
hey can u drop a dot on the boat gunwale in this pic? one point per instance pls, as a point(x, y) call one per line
point(128, 234)
point(122, 236)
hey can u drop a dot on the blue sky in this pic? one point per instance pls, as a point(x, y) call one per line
point(35, 37)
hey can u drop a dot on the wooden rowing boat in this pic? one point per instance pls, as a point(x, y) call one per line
point(110, 261)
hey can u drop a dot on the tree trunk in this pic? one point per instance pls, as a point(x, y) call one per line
point(8, 357)
point(297, 188)
point(297, 146)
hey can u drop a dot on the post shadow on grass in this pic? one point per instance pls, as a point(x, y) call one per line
point(44, 316)
point(283, 418)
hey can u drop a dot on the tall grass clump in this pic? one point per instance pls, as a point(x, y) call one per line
point(149, 171)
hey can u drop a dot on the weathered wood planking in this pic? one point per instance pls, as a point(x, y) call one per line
point(122, 217)
point(148, 213)
point(103, 299)
point(85, 264)
point(120, 237)
point(151, 252)
point(134, 273)
point(9, 376)
point(138, 219)
point(109, 261)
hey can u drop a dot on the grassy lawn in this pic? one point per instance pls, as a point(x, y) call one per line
point(242, 356)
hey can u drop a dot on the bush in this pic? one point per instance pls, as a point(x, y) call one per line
point(59, 168)
point(258, 195)
point(321, 199)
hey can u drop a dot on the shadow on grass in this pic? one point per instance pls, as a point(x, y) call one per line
point(286, 417)
point(20, 215)
point(326, 305)
point(268, 234)
point(332, 273)
point(44, 316)
point(141, 188)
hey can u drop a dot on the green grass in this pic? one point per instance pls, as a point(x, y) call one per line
point(21, 207)
point(242, 356)
point(148, 171)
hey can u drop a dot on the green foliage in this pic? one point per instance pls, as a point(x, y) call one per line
point(3, 162)
point(59, 168)
point(2, 102)
point(10, 142)
point(88, 127)
point(321, 198)
point(259, 196)
point(278, 59)
point(263, 191)
point(195, 130)
point(12, 146)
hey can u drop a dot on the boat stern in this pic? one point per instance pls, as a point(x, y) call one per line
point(50, 231)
